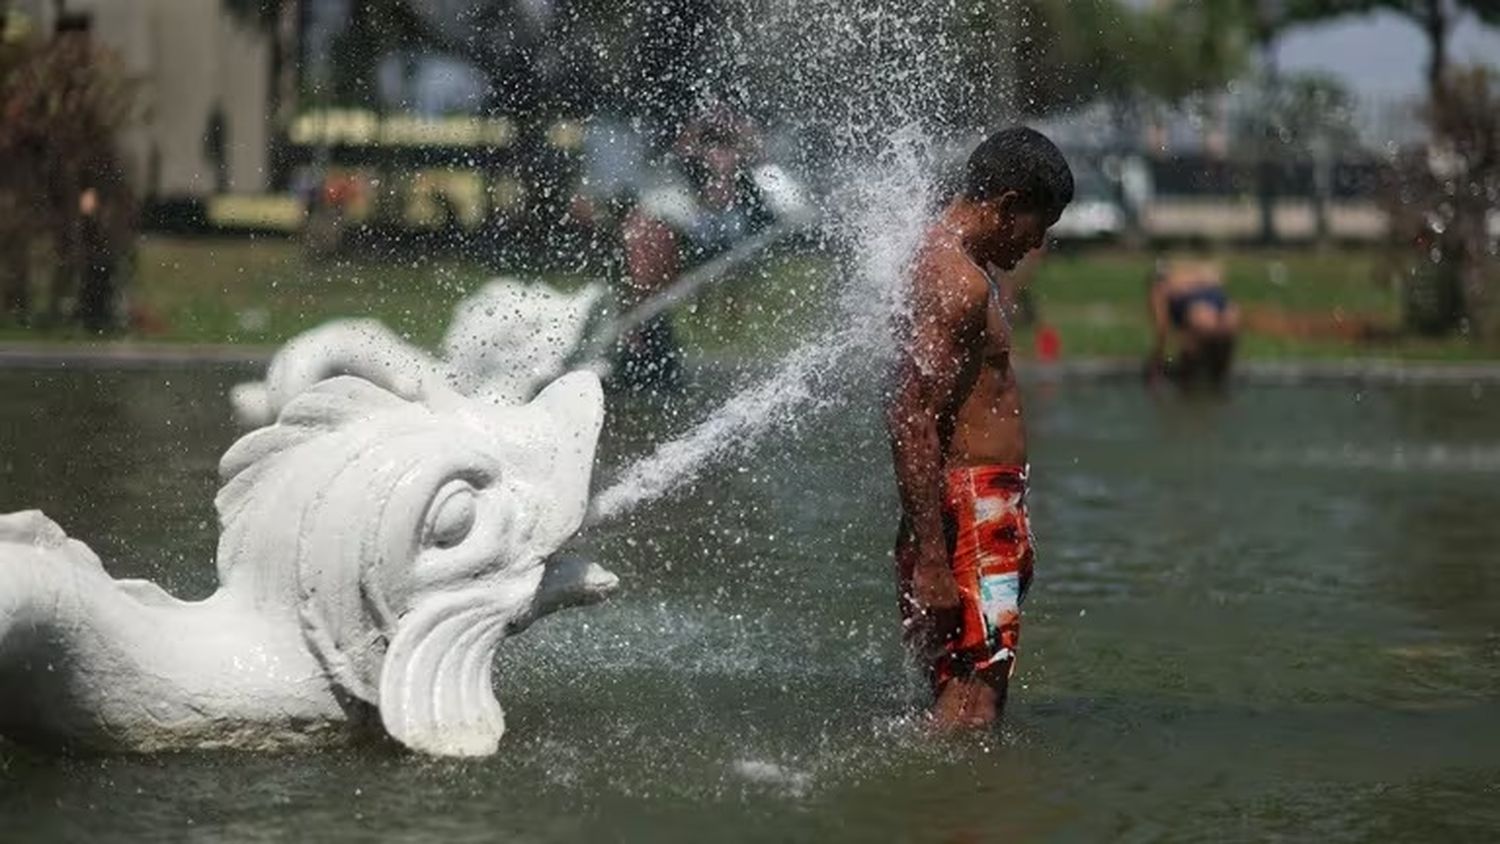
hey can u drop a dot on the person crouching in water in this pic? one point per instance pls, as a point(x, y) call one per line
point(964, 553)
point(1194, 324)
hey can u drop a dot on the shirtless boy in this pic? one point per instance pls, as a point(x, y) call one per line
point(963, 554)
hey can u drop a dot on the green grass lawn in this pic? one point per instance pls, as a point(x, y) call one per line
point(262, 291)
point(1097, 301)
point(266, 291)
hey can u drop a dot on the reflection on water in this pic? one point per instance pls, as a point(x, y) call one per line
point(1233, 634)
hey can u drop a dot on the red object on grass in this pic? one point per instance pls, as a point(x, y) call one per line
point(146, 321)
point(1048, 343)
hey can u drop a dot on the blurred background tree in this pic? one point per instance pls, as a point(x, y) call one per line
point(1300, 119)
point(1444, 197)
point(1446, 200)
point(63, 103)
point(566, 57)
point(1436, 19)
point(1057, 55)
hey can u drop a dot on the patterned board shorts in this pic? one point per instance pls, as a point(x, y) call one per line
point(992, 560)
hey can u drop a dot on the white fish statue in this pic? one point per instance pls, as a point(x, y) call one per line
point(374, 552)
point(504, 342)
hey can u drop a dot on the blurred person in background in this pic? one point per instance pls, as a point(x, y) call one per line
point(106, 235)
point(674, 225)
point(1194, 323)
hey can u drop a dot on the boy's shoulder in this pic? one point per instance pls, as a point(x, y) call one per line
point(943, 271)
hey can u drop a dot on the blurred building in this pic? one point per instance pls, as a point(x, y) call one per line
point(205, 90)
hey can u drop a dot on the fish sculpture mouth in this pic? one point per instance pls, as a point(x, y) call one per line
point(436, 685)
point(569, 581)
point(437, 680)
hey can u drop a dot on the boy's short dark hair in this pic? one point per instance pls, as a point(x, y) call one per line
point(1023, 160)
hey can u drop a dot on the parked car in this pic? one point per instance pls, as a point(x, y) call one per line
point(1095, 213)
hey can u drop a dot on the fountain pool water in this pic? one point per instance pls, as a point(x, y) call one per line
point(1272, 616)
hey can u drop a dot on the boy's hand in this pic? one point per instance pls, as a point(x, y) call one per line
point(932, 585)
point(936, 611)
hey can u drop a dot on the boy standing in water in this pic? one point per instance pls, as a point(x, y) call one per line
point(964, 553)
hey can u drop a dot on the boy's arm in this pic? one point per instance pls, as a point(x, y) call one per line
point(946, 325)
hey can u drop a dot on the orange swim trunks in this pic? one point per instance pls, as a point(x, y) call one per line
point(992, 559)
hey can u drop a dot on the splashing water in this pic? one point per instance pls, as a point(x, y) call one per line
point(887, 207)
point(873, 81)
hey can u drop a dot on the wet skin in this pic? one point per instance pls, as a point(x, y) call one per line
point(955, 403)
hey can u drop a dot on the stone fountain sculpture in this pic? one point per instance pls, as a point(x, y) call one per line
point(505, 341)
point(374, 552)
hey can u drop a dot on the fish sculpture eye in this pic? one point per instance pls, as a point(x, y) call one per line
point(451, 517)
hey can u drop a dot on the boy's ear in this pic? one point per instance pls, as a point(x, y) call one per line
point(1007, 204)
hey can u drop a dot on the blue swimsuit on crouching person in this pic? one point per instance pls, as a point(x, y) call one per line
point(1179, 304)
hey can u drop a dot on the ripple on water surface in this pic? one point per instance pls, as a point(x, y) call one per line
point(1225, 634)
